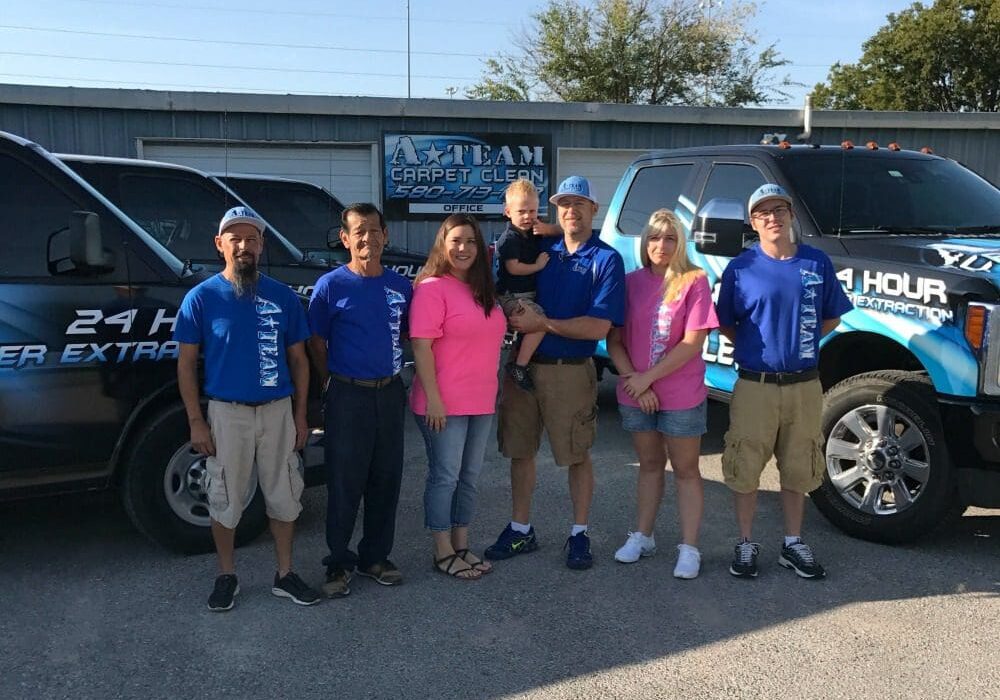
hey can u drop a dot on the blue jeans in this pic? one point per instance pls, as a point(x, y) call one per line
point(454, 461)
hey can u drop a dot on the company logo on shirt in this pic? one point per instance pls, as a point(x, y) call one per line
point(268, 323)
point(397, 304)
point(659, 333)
point(807, 314)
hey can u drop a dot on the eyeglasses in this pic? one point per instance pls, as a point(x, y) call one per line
point(777, 213)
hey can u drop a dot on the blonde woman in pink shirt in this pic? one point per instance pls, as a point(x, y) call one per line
point(661, 391)
point(456, 329)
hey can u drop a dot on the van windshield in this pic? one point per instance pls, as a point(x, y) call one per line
point(299, 211)
point(859, 193)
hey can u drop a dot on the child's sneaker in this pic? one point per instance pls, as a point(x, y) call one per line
point(745, 559)
point(688, 562)
point(637, 545)
point(519, 373)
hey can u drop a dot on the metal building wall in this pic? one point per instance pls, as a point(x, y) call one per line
point(109, 122)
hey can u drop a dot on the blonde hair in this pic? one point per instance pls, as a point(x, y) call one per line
point(520, 187)
point(681, 272)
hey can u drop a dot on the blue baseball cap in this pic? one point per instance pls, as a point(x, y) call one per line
point(766, 192)
point(241, 215)
point(574, 186)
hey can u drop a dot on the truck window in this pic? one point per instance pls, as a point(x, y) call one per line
point(732, 181)
point(32, 209)
point(301, 213)
point(654, 187)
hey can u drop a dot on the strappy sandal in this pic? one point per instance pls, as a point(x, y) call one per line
point(446, 565)
point(483, 567)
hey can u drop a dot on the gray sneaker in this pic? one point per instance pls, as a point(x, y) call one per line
point(336, 585)
point(799, 558)
point(224, 594)
point(292, 587)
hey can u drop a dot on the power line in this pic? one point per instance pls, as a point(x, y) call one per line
point(320, 47)
point(303, 13)
point(226, 88)
point(229, 67)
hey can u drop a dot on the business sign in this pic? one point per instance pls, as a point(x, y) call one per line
point(429, 176)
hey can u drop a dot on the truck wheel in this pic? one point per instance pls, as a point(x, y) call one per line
point(888, 475)
point(163, 488)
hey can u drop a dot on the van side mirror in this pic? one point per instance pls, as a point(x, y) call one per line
point(719, 228)
point(333, 241)
point(87, 255)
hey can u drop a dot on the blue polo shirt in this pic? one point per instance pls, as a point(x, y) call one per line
point(588, 282)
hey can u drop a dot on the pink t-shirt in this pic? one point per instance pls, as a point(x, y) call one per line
point(652, 328)
point(466, 346)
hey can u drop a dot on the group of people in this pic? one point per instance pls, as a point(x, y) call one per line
point(563, 290)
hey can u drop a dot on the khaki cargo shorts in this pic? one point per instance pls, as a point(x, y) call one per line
point(564, 402)
point(780, 420)
point(244, 435)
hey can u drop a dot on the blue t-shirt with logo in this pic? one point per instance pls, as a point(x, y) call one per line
point(243, 339)
point(363, 320)
point(778, 307)
point(588, 282)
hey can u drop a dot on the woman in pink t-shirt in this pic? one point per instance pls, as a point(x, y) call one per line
point(456, 329)
point(661, 392)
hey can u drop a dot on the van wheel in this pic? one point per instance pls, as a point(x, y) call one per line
point(888, 475)
point(163, 488)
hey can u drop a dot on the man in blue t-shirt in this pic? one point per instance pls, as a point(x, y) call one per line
point(358, 319)
point(582, 290)
point(252, 331)
point(777, 300)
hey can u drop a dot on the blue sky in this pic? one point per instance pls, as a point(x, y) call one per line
point(344, 48)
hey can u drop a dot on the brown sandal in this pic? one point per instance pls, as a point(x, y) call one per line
point(483, 567)
point(446, 565)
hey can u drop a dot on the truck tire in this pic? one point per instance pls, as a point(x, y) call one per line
point(888, 475)
point(162, 488)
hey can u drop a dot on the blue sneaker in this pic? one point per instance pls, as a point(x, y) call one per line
point(578, 551)
point(511, 542)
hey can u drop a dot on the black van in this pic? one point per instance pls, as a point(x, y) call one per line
point(310, 216)
point(88, 388)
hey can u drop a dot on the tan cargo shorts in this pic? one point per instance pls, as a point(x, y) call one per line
point(783, 420)
point(564, 403)
point(247, 437)
point(509, 302)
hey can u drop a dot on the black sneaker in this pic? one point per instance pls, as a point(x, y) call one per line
point(336, 585)
point(578, 554)
point(291, 586)
point(745, 559)
point(384, 573)
point(519, 373)
point(799, 558)
point(224, 594)
point(511, 542)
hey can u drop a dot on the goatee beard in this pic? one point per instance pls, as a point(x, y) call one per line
point(245, 280)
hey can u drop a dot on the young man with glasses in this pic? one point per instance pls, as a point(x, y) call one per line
point(777, 300)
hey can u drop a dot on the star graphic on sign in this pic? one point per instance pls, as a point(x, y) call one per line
point(433, 154)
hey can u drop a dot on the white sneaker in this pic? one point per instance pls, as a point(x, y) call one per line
point(688, 561)
point(637, 545)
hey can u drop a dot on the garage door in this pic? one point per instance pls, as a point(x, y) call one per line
point(603, 167)
point(344, 170)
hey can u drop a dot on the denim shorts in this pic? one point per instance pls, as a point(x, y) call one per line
point(687, 422)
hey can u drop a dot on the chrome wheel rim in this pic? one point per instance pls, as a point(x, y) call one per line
point(878, 460)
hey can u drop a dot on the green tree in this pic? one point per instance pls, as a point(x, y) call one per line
point(636, 51)
point(938, 58)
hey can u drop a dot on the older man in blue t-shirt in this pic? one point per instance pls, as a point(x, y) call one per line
point(582, 289)
point(776, 301)
point(358, 318)
point(251, 330)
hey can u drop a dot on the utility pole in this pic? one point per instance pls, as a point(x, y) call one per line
point(408, 94)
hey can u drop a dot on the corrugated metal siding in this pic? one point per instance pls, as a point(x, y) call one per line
point(113, 132)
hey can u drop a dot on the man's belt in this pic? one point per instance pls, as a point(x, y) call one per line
point(367, 383)
point(251, 404)
point(546, 360)
point(779, 377)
